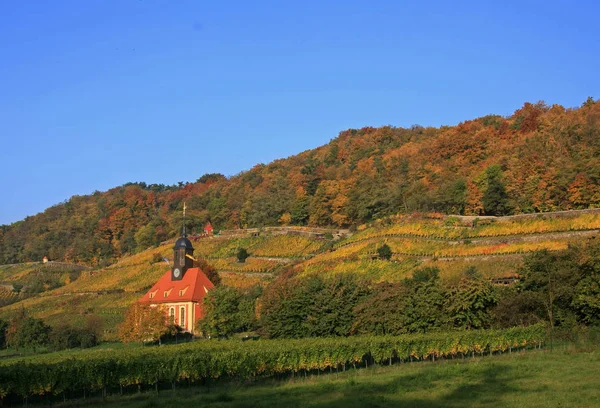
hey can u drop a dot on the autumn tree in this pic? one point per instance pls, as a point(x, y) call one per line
point(210, 271)
point(143, 322)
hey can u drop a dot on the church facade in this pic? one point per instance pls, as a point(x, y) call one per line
point(181, 290)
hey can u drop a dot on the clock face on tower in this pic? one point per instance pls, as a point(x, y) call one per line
point(176, 273)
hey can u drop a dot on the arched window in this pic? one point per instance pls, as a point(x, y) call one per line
point(172, 315)
point(182, 317)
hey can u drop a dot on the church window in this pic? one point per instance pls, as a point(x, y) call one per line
point(172, 315)
point(182, 317)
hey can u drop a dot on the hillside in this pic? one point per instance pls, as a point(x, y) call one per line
point(542, 158)
point(495, 246)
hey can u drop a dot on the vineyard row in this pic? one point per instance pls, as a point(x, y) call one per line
point(104, 371)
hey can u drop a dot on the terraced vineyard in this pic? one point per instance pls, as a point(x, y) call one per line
point(6, 295)
point(496, 247)
point(453, 244)
point(457, 228)
point(109, 291)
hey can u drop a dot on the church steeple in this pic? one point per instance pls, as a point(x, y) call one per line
point(183, 254)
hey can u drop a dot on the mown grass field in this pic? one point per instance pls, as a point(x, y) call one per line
point(564, 377)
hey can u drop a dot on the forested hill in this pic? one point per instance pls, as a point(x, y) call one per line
point(539, 159)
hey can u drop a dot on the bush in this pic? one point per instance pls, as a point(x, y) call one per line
point(156, 258)
point(242, 255)
point(384, 252)
point(68, 337)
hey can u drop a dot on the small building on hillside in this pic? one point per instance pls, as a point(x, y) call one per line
point(181, 290)
point(45, 259)
point(208, 228)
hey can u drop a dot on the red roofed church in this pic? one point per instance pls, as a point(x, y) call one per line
point(180, 291)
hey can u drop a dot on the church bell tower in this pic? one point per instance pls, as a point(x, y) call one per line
point(183, 254)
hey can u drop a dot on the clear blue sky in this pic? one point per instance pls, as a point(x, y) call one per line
point(94, 94)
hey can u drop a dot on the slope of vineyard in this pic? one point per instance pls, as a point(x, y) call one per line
point(494, 246)
point(108, 291)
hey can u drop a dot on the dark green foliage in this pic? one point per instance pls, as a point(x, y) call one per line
point(559, 287)
point(451, 197)
point(67, 337)
point(29, 332)
point(515, 308)
point(300, 210)
point(424, 275)
point(551, 278)
point(371, 198)
point(586, 300)
point(227, 311)
point(425, 306)
point(242, 254)
point(331, 312)
point(3, 329)
point(311, 307)
point(284, 306)
point(495, 199)
point(470, 302)
point(384, 252)
point(380, 313)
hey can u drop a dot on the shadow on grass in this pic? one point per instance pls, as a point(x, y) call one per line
point(434, 387)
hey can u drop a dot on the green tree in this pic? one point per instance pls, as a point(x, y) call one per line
point(380, 312)
point(551, 278)
point(495, 199)
point(470, 302)
point(242, 254)
point(332, 310)
point(424, 308)
point(3, 330)
point(145, 237)
point(384, 252)
point(31, 332)
point(226, 311)
point(586, 294)
point(300, 210)
point(67, 337)
point(516, 308)
point(284, 306)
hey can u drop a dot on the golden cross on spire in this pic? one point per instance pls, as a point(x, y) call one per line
point(184, 207)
